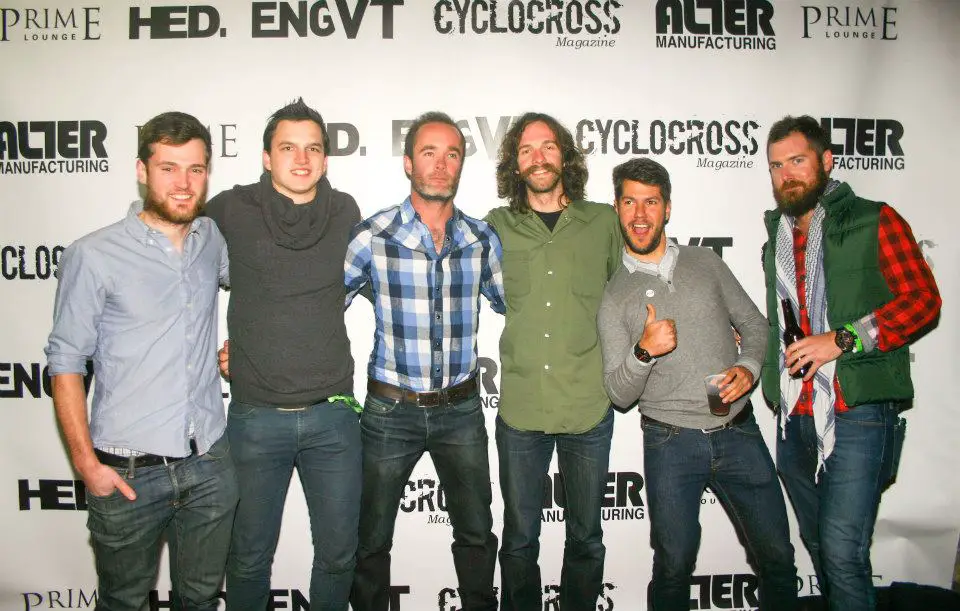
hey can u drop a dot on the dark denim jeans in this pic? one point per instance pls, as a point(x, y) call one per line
point(524, 459)
point(836, 516)
point(322, 442)
point(190, 503)
point(735, 463)
point(395, 436)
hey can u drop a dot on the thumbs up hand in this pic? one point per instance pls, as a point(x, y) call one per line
point(659, 336)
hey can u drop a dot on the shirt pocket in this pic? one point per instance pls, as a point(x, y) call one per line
point(589, 273)
point(516, 277)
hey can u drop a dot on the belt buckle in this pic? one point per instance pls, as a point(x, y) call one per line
point(425, 398)
point(716, 428)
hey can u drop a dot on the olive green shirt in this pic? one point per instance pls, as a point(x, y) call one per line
point(550, 360)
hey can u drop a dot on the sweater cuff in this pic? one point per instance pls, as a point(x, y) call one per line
point(867, 331)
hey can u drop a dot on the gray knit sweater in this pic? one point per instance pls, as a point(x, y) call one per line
point(704, 298)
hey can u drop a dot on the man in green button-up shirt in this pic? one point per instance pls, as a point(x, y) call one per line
point(558, 252)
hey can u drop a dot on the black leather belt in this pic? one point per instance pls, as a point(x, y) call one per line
point(146, 460)
point(737, 420)
point(430, 398)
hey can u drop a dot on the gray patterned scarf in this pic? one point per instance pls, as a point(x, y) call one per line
point(816, 300)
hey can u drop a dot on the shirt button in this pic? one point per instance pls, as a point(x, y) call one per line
point(548, 304)
point(546, 335)
point(550, 272)
point(546, 366)
point(438, 316)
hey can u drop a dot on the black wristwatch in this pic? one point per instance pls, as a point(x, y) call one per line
point(845, 340)
point(642, 355)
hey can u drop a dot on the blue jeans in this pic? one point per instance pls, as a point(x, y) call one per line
point(395, 436)
point(322, 442)
point(735, 463)
point(190, 503)
point(524, 459)
point(836, 516)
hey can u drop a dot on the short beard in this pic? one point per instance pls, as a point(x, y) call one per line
point(157, 209)
point(550, 186)
point(807, 201)
point(434, 196)
point(654, 243)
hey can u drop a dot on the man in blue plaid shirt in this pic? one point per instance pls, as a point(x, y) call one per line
point(426, 264)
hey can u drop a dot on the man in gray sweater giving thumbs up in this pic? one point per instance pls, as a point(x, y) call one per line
point(665, 324)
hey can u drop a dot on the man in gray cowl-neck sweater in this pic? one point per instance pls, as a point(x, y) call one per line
point(290, 365)
point(665, 324)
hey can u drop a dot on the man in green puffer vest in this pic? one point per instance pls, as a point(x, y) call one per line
point(854, 276)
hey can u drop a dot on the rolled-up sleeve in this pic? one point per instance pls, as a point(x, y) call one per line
point(76, 313)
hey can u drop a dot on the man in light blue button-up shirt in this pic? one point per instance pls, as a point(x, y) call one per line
point(139, 298)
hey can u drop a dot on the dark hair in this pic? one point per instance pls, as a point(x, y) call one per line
point(511, 186)
point(433, 116)
point(176, 128)
point(643, 170)
point(806, 125)
point(295, 111)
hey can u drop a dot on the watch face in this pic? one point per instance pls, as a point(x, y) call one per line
point(845, 340)
point(641, 354)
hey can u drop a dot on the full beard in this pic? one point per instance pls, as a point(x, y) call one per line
point(807, 198)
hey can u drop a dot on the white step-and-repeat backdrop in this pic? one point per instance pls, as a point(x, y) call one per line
point(693, 83)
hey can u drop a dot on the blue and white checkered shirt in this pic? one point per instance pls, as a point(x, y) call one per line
point(427, 305)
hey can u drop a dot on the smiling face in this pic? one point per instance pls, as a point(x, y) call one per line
point(175, 178)
point(434, 169)
point(539, 158)
point(643, 217)
point(296, 161)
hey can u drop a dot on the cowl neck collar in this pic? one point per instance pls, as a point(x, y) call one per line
point(296, 226)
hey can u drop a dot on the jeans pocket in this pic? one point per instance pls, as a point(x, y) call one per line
point(868, 414)
point(468, 406)
point(899, 435)
point(375, 406)
point(90, 496)
point(750, 428)
point(655, 436)
point(219, 450)
point(242, 410)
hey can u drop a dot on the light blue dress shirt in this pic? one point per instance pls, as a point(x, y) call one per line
point(147, 316)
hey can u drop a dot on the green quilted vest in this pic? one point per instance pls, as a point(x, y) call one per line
point(855, 287)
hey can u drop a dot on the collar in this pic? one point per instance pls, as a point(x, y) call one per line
point(664, 268)
point(575, 210)
point(142, 232)
point(414, 231)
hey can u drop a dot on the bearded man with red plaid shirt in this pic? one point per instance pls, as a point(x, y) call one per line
point(853, 272)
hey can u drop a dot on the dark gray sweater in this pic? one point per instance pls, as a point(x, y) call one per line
point(288, 341)
point(705, 302)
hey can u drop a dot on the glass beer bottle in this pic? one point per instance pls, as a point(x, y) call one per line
point(792, 332)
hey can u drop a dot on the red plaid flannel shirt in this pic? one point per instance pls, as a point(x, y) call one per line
point(915, 303)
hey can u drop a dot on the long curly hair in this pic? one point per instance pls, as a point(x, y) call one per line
point(511, 186)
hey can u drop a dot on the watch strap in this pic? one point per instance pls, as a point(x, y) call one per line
point(857, 344)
